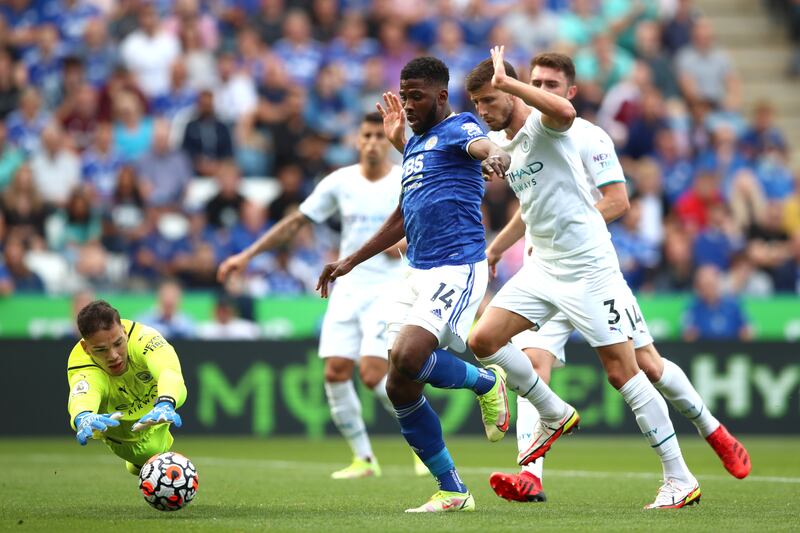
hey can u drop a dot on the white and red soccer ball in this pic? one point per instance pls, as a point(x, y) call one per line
point(168, 481)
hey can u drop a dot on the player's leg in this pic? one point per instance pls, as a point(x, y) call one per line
point(153, 441)
point(674, 385)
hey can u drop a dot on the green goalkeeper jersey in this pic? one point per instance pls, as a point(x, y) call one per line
point(153, 371)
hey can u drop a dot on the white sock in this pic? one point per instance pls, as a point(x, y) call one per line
point(346, 414)
point(380, 394)
point(527, 416)
point(653, 419)
point(525, 381)
point(677, 388)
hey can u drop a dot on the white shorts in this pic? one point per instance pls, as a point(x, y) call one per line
point(355, 322)
point(590, 292)
point(442, 300)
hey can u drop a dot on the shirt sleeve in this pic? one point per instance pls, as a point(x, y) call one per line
point(163, 364)
point(322, 202)
point(88, 386)
point(533, 126)
point(471, 132)
point(600, 158)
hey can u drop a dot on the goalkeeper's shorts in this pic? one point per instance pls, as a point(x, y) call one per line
point(152, 442)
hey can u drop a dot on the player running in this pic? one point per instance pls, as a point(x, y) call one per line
point(575, 270)
point(439, 214)
point(354, 327)
point(545, 348)
point(125, 383)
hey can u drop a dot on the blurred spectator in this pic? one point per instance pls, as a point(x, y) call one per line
point(331, 109)
point(298, 49)
point(157, 253)
point(622, 103)
point(578, 25)
point(56, 169)
point(762, 133)
point(791, 209)
point(252, 224)
point(624, 17)
point(712, 315)
point(396, 51)
point(372, 88)
point(207, 140)
point(705, 71)
point(45, 64)
point(100, 163)
point(187, 13)
point(235, 91)
point(251, 54)
point(352, 49)
point(22, 18)
point(636, 254)
point(677, 170)
point(325, 19)
point(459, 57)
point(165, 171)
point(125, 222)
point(124, 18)
point(10, 158)
point(201, 66)
point(648, 49)
point(269, 20)
point(291, 179)
point(643, 129)
point(647, 182)
point(774, 176)
point(720, 241)
point(23, 207)
point(72, 18)
point(79, 223)
point(693, 206)
point(79, 119)
point(181, 96)
point(22, 278)
point(98, 53)
point(223, 208)
point(149, 52)
point(133, 131)
point(533, 26)
point(167, 317)
point(11, 80)
point(289, 134)
point(768, 244)
point(604, 64)
point(227, 325)
point(26, 123)
point(787, 276)
point(280, 279)
point(80, 299)
point(202, 271)
point(121, 81)
point(677, 31)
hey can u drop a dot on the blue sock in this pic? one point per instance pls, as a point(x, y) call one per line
point(444, 370)
point(420, 426)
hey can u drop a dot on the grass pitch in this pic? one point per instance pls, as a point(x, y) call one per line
point(282, 484)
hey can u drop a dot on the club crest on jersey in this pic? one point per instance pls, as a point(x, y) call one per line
point(526, 145)
point(430, 143)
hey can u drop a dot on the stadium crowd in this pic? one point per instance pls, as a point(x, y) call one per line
point(143, 140)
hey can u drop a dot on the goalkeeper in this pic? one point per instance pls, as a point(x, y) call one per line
point(125, 383)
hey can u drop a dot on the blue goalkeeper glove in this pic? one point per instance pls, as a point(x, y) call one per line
point(162, 413)
point(87, 423)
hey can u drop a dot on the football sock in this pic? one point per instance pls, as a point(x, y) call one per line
point(527, 416)
point(677, 388)
point(346, 414)
point(652, 418)
point(421, 428)
point(380, 394)
point(525, 381)
point(444, 370)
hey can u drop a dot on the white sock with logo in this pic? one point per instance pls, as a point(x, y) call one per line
point(346, 414)
point(652, 417)
point(527, 417)
point(383, 397)
point(680, 392)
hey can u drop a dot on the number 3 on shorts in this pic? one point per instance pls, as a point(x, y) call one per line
point(447, 297)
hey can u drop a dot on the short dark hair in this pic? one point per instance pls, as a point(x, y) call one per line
point(97, 315)
point(373, 118)
point(560, 62)
point(426, 68)
point(483, 72)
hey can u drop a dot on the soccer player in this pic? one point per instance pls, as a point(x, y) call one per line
point(354, 327)
point(574, 270)
point(545, 348)
point(125, 383)
point(439, 214)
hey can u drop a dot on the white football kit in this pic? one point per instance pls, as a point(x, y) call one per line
point(575, 268)
point(355, 321)
point(602, 168)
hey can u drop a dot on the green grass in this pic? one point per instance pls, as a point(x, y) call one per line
point(284, 485)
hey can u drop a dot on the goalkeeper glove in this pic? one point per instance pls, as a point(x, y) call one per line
point(87, 423)
point(162, 413)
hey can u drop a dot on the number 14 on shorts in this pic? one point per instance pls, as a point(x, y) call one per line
point(632, 313)
point(446, 297)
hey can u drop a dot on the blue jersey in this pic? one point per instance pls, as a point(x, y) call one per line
point(442, 192)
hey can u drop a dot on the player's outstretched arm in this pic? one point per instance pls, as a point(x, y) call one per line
point(87, 423)
point(558, 113)
point(513, 231)
point(614, 202)
point(279, 234)
point(394, 120)
point(387, 235)
point(163, 413)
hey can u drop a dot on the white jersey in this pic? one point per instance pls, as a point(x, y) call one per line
point(555, 175)
point(363, 206)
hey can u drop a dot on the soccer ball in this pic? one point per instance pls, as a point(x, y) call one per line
point(168, 481)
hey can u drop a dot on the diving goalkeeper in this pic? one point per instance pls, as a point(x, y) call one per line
point(125, 383)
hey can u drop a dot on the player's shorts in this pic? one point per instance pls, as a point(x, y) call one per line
point(355, 322)
point(590, 291)
point(442, 300)
point(153, 441)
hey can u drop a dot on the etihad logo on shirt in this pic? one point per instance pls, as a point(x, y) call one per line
point(525, 177)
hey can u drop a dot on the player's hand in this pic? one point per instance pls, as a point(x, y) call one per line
point(492, 258)
point(235, 263)
point(495, 166)
point(162, 413)
point(394, 119)
point(86, 423)
point(500, 75)
point(330, 273)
